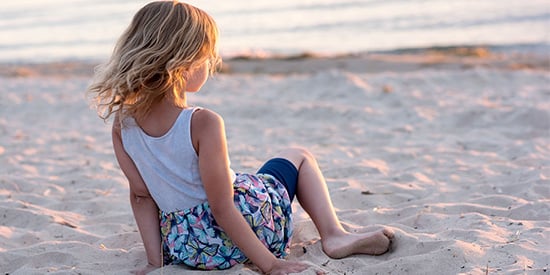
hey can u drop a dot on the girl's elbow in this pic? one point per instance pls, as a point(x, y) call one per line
point(137, 195)
point(220, 210)
point(216, 211)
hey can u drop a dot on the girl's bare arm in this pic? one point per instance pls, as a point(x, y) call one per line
point(145, 209)
point(215, 173)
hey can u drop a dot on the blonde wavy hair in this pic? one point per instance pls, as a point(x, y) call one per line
point(165, 41)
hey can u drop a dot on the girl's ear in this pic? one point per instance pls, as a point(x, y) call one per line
point(186, 74)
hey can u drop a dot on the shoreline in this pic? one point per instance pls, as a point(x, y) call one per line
point(401, 60)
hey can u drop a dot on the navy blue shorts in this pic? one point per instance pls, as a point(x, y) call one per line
point(284, 171)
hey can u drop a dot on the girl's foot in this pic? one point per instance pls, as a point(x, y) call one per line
point(372, 243)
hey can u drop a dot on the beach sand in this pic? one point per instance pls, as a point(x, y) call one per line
point(449, 149)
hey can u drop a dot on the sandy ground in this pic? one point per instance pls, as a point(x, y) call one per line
point(452, 151)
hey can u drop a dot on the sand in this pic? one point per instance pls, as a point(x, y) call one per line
point(450, 150)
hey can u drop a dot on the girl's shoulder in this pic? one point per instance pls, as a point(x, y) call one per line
point(206, 117)
point(206, 122)
point(206, 125)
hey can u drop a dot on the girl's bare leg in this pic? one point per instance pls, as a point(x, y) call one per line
point(312, 193)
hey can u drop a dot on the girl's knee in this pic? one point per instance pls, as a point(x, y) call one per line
point(297, 155)
point(306, 154)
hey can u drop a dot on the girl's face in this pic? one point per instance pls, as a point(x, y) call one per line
point(197, 77)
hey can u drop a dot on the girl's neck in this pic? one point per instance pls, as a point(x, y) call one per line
point(161, 118)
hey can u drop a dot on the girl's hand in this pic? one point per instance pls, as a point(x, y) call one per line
point(143, 271)
point(283, 267)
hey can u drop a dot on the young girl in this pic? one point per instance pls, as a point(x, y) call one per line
point(190, 207)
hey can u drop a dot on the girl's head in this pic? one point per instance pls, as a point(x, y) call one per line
point(166, 42)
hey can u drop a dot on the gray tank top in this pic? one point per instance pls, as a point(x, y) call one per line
point(168, 164)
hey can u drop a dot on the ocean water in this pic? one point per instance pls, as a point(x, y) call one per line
point(61, 30)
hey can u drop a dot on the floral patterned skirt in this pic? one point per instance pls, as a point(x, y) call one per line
point(192, 236)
